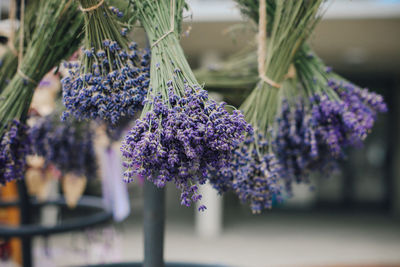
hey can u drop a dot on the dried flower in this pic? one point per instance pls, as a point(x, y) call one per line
point(14, 147)
point(181, 132)
point(112, 77)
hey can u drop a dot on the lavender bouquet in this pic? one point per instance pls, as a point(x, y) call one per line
point(255, 172)
point(331, 115)
point(181, 132)
point(55, 36)
point(67, 145)
point(319, 116)
point(111, 78)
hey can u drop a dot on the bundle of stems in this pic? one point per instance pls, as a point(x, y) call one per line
point(181, 132)
point(237, 72)
point(9, 60)
point(55, 36)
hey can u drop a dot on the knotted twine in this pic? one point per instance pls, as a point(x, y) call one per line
point(172, 26)
point(96, 6)
point(20, 53)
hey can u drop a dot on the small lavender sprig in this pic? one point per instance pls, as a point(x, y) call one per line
point(112, 77)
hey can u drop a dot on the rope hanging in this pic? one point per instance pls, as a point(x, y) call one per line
point(262, 45)
point(88, 9)
point(21, 45)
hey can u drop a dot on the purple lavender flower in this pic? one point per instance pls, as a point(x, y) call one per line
point(181, 140)
point(254, 174)
point(108, 90)
point(299, 143)
point(14, 147)
point(112, 78)
point(313, 133)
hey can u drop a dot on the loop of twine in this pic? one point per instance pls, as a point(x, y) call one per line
point(11, 40)
point(99, 4)
point(262, 45)
point(172, 29)
point(21, 44)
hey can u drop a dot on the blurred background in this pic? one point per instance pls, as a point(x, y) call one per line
point(349, 219)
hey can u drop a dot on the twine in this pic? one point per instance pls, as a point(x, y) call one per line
point(262, 45)
point(99, 4)
point(11, 40)
point(21, 33)
point(26, 77)
point(172, 27)
point(291, 72)
point(21, 44)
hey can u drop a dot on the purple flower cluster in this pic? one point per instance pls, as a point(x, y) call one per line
point(253, 174)
point(298, 144)
point(347, 122)
point(67, 145)
point(14, 147)
point(361, 109)
point(180, 140)
point(312, 135)
point(114, 86)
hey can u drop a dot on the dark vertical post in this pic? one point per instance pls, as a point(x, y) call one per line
point(154, 224)
point(392, 161)
point(25, 215)
point(24, 204)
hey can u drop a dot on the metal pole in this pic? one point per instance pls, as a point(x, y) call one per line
point(25, 215)
point(154, 224)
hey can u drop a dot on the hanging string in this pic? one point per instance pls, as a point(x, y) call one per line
point(99, 4)
point(21, 44)
point(172, 27)
point(291, 72)
point(21, 33)
point(262, 45)
point(11, 40)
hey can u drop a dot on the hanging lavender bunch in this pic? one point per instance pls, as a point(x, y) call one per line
point(307, 111)
point(255, 173)
point(181, 132)
point(337, 113)
point(55, 36)
point(111, 78)
point(67, 145)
